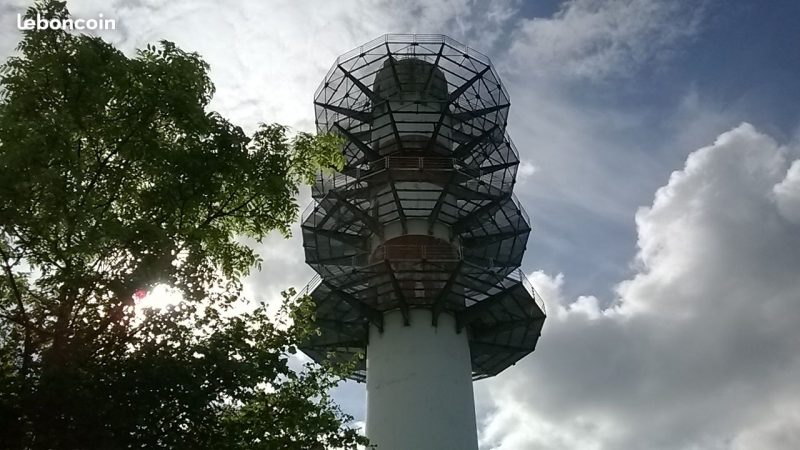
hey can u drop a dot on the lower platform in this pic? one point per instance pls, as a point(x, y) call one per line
point(501, 317)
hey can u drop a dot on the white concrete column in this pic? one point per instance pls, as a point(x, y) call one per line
point(419, 385)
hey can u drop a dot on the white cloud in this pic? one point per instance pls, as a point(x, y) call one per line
point(787, 194)
point(700, 349)
point(598, 38)
point(525, 171)
point(267, 58)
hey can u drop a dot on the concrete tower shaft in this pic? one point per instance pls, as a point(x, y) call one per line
point(419, 375)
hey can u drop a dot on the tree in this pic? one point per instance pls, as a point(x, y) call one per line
point(114, 178)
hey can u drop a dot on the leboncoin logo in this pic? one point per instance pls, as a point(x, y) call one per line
point(43, 23)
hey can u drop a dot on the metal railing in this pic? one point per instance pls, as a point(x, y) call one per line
point(406, 252)
point(521, 209)
point(412, 39)
point(419, 163)
point(430, 163)
point(519, 275)
point(309, 288)
point(332, 182)
point(308, 211)
point(488, 186)
point(433, 253)
point(325, 182)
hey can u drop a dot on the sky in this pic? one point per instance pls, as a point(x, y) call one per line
point(660, 148)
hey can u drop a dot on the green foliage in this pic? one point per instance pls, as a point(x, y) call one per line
point(114, 177)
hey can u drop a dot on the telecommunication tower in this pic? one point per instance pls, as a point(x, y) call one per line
point(418, 240)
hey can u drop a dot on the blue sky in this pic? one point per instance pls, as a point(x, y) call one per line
point(740, 65)
point(660, 148)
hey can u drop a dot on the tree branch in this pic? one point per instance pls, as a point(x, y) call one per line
point(13, 283)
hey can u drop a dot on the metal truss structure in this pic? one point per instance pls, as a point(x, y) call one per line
point(422, 215)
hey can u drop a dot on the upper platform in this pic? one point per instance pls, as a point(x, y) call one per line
point(416, 94)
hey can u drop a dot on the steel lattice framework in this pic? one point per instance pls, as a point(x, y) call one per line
point(422, 215)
